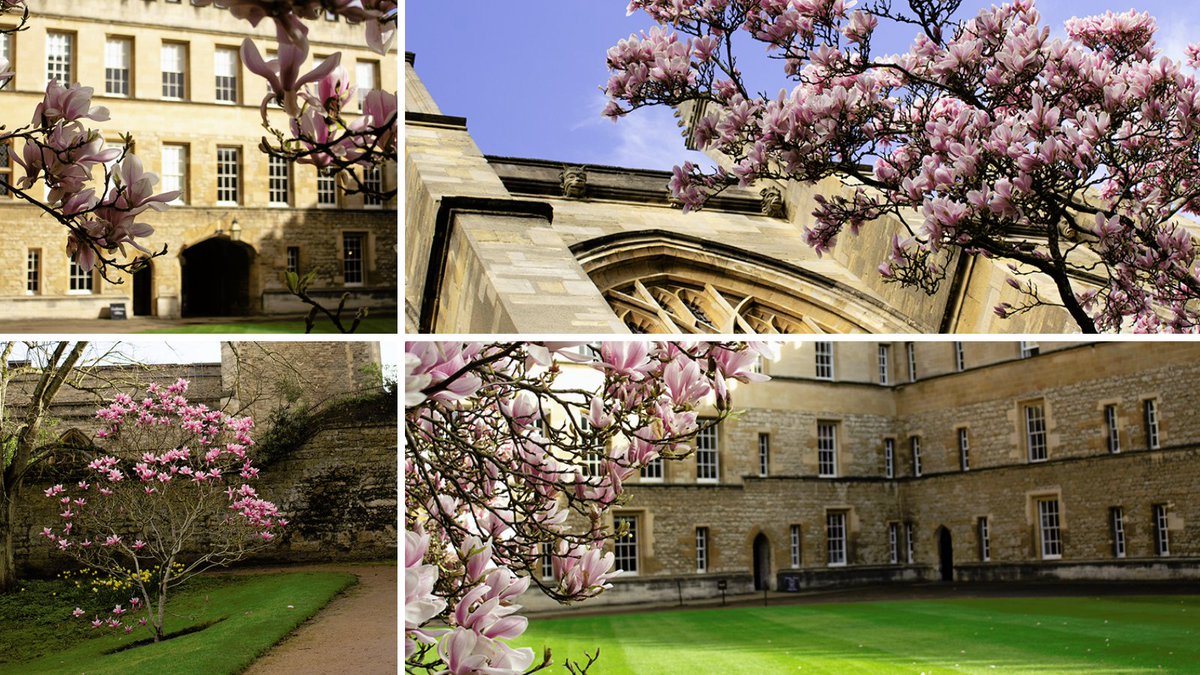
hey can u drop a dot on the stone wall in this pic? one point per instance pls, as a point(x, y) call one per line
point(338, 490)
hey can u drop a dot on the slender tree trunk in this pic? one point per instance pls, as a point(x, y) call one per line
point(8, 568)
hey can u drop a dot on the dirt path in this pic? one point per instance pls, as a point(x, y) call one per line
point(356, 634)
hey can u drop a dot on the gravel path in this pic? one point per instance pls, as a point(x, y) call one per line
point(356, 634)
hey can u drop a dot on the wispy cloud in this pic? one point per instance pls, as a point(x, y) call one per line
point(1174, 36)
point(649, 138)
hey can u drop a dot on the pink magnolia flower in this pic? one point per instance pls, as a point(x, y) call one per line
point(67, 104)
point(283, 73)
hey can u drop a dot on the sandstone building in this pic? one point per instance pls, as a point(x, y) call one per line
point(874, 461)
point(170, 74)
point(518, 245)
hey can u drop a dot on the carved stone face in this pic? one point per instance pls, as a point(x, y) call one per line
point(772, 202)
point(574, 182)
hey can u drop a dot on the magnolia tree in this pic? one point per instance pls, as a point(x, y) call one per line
point(511, 462)
point(1068, 159)
point(169, 499)
point(102, 195)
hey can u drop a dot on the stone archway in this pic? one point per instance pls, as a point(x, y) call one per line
point(762, 563)
point(216, 278)
point(665, 282)
point(945, 554)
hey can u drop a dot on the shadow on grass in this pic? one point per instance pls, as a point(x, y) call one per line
point(173, 634)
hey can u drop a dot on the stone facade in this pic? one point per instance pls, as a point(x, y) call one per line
point(750, 513)
point(494, 245)
point(222, 258)
point(337, 487)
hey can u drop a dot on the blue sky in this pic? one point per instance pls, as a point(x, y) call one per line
point(527, 73)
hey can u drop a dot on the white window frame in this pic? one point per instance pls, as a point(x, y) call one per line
point(292, 259)
point(373, 184)
point(118, 65)
point(652, 471)
point(824, 360)
point(1113, 429)
point(1117, 518)
point(327, 191)
point(1029, 349)
point(1150, 418)
point(910, 552)
point(894, 543)
point(229, 175)
point(835, 538)
point(80, 282)
point(960, 357)
point(173, 61)
point(985, 544)
point(592, 463)
point(6, 53)
point(884, 352)
point(889, 458)
point(764, 454)
point(174, 170)
point(701, 550)
point(60, 57)
point(708, 455)
point(1049, 528)
point(827, 464)
point(1036, 442)
point(366, 78)
point(910, 351)
point(1162, 532)
point(279, 181)
point(914, 447)
point(795, 541)
point(964, 449)
point(625, 548)
point(227, 65)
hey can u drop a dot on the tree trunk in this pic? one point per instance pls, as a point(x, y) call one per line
point(8, 568)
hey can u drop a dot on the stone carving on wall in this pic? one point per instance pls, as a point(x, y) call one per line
point(772, 202)
point(574, 182)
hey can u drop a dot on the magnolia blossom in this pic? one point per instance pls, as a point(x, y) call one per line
point(987, 137)
point(500, 457)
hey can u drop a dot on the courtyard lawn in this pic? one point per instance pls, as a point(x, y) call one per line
point(245, 615)
point(1050, 635)
point(370, 325)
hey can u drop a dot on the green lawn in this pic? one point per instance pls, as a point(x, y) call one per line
point(369, 325)
point(1048, 635)
point(247, 614)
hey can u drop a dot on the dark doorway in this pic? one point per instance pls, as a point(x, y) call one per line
point(216, 278)
point(762, 563)
point(141, 291)
point(945, 554)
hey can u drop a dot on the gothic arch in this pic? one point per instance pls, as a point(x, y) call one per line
point(661, 282)
point(75, 439)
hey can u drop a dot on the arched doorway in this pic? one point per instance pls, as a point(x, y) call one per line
point(762, 563)
point(142, 291)
point(945, 554)
point(216, 278)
